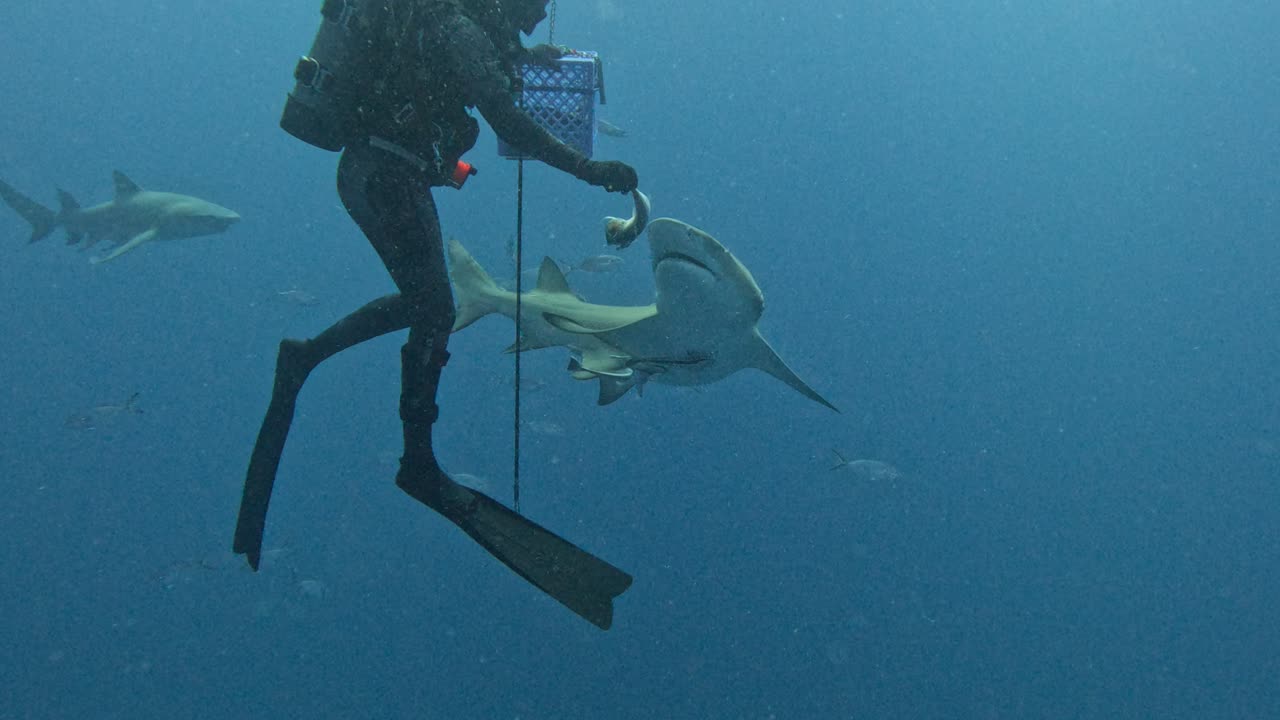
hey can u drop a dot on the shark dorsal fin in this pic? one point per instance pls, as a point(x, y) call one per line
point(551, 279)
point(124, 186)
point(67, 201)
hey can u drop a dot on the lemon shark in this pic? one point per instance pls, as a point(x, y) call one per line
point(132, 218)
point(701, 327)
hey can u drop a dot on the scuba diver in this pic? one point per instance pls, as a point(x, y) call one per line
point(401, 77)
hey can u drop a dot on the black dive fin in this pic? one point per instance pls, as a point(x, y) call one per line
point(261, 476)
point(42, 219)
point(577, 579)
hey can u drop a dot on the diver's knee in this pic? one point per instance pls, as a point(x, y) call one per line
point(431, 312)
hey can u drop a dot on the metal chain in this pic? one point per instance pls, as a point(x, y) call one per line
point(551, 30)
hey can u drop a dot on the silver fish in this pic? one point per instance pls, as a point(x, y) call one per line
point(620, 233)
point(867, 470)
point(595, 264)
point(301, 298)
point(607, 128)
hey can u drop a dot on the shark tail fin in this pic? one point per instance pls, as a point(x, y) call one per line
point(474, 290)
point(840, 460)
point(42, 219)
point(767, 360)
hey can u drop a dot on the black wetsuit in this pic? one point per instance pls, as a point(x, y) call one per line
point(452, 62)
point(444, 60)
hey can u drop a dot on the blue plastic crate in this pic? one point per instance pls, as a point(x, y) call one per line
point(562, 99)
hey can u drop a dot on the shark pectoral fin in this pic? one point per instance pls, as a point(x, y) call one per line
point(577, 327)
point(612, 388)
point(561, 322)
point(143, 237)
point(767, 360)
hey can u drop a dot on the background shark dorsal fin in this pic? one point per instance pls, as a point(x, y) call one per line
point(67, 201)
point(551, 278)
point(124, 186)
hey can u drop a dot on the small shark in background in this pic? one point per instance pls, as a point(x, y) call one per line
point(95, 416)
point(701, 328)
point(134, 217)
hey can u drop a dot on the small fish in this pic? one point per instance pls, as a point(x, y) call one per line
point(312, 590)
point(301, 298)
point(510, 248)
point(544, 427)
point(530, 384)
point(607, 128)
point(868, 470)
point(94, 416)
point(595, 264)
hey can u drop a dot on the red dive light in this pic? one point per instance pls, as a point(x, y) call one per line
point(461, 172)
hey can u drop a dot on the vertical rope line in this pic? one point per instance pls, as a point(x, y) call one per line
point(515, 460)
point(551, 30)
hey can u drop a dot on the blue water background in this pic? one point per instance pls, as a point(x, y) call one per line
point(1029, 249)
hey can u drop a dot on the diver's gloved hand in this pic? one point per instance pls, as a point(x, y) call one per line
point(544, 54)
point(612, 175)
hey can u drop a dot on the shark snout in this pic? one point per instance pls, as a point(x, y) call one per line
point(224, 218)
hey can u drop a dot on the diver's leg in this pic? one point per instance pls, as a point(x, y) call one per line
point(392, 202)
point(298, 358)
point(422, 360)
point(394, 207)
point(359, 186)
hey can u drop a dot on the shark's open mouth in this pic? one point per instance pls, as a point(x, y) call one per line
point(681, 257)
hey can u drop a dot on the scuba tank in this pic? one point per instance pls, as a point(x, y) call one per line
point(333, 96)
point(322, 107)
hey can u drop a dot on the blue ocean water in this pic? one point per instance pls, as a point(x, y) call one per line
point(1028, 248)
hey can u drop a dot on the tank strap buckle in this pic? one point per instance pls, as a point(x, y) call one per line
point(311, 73)
point(405, 114)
